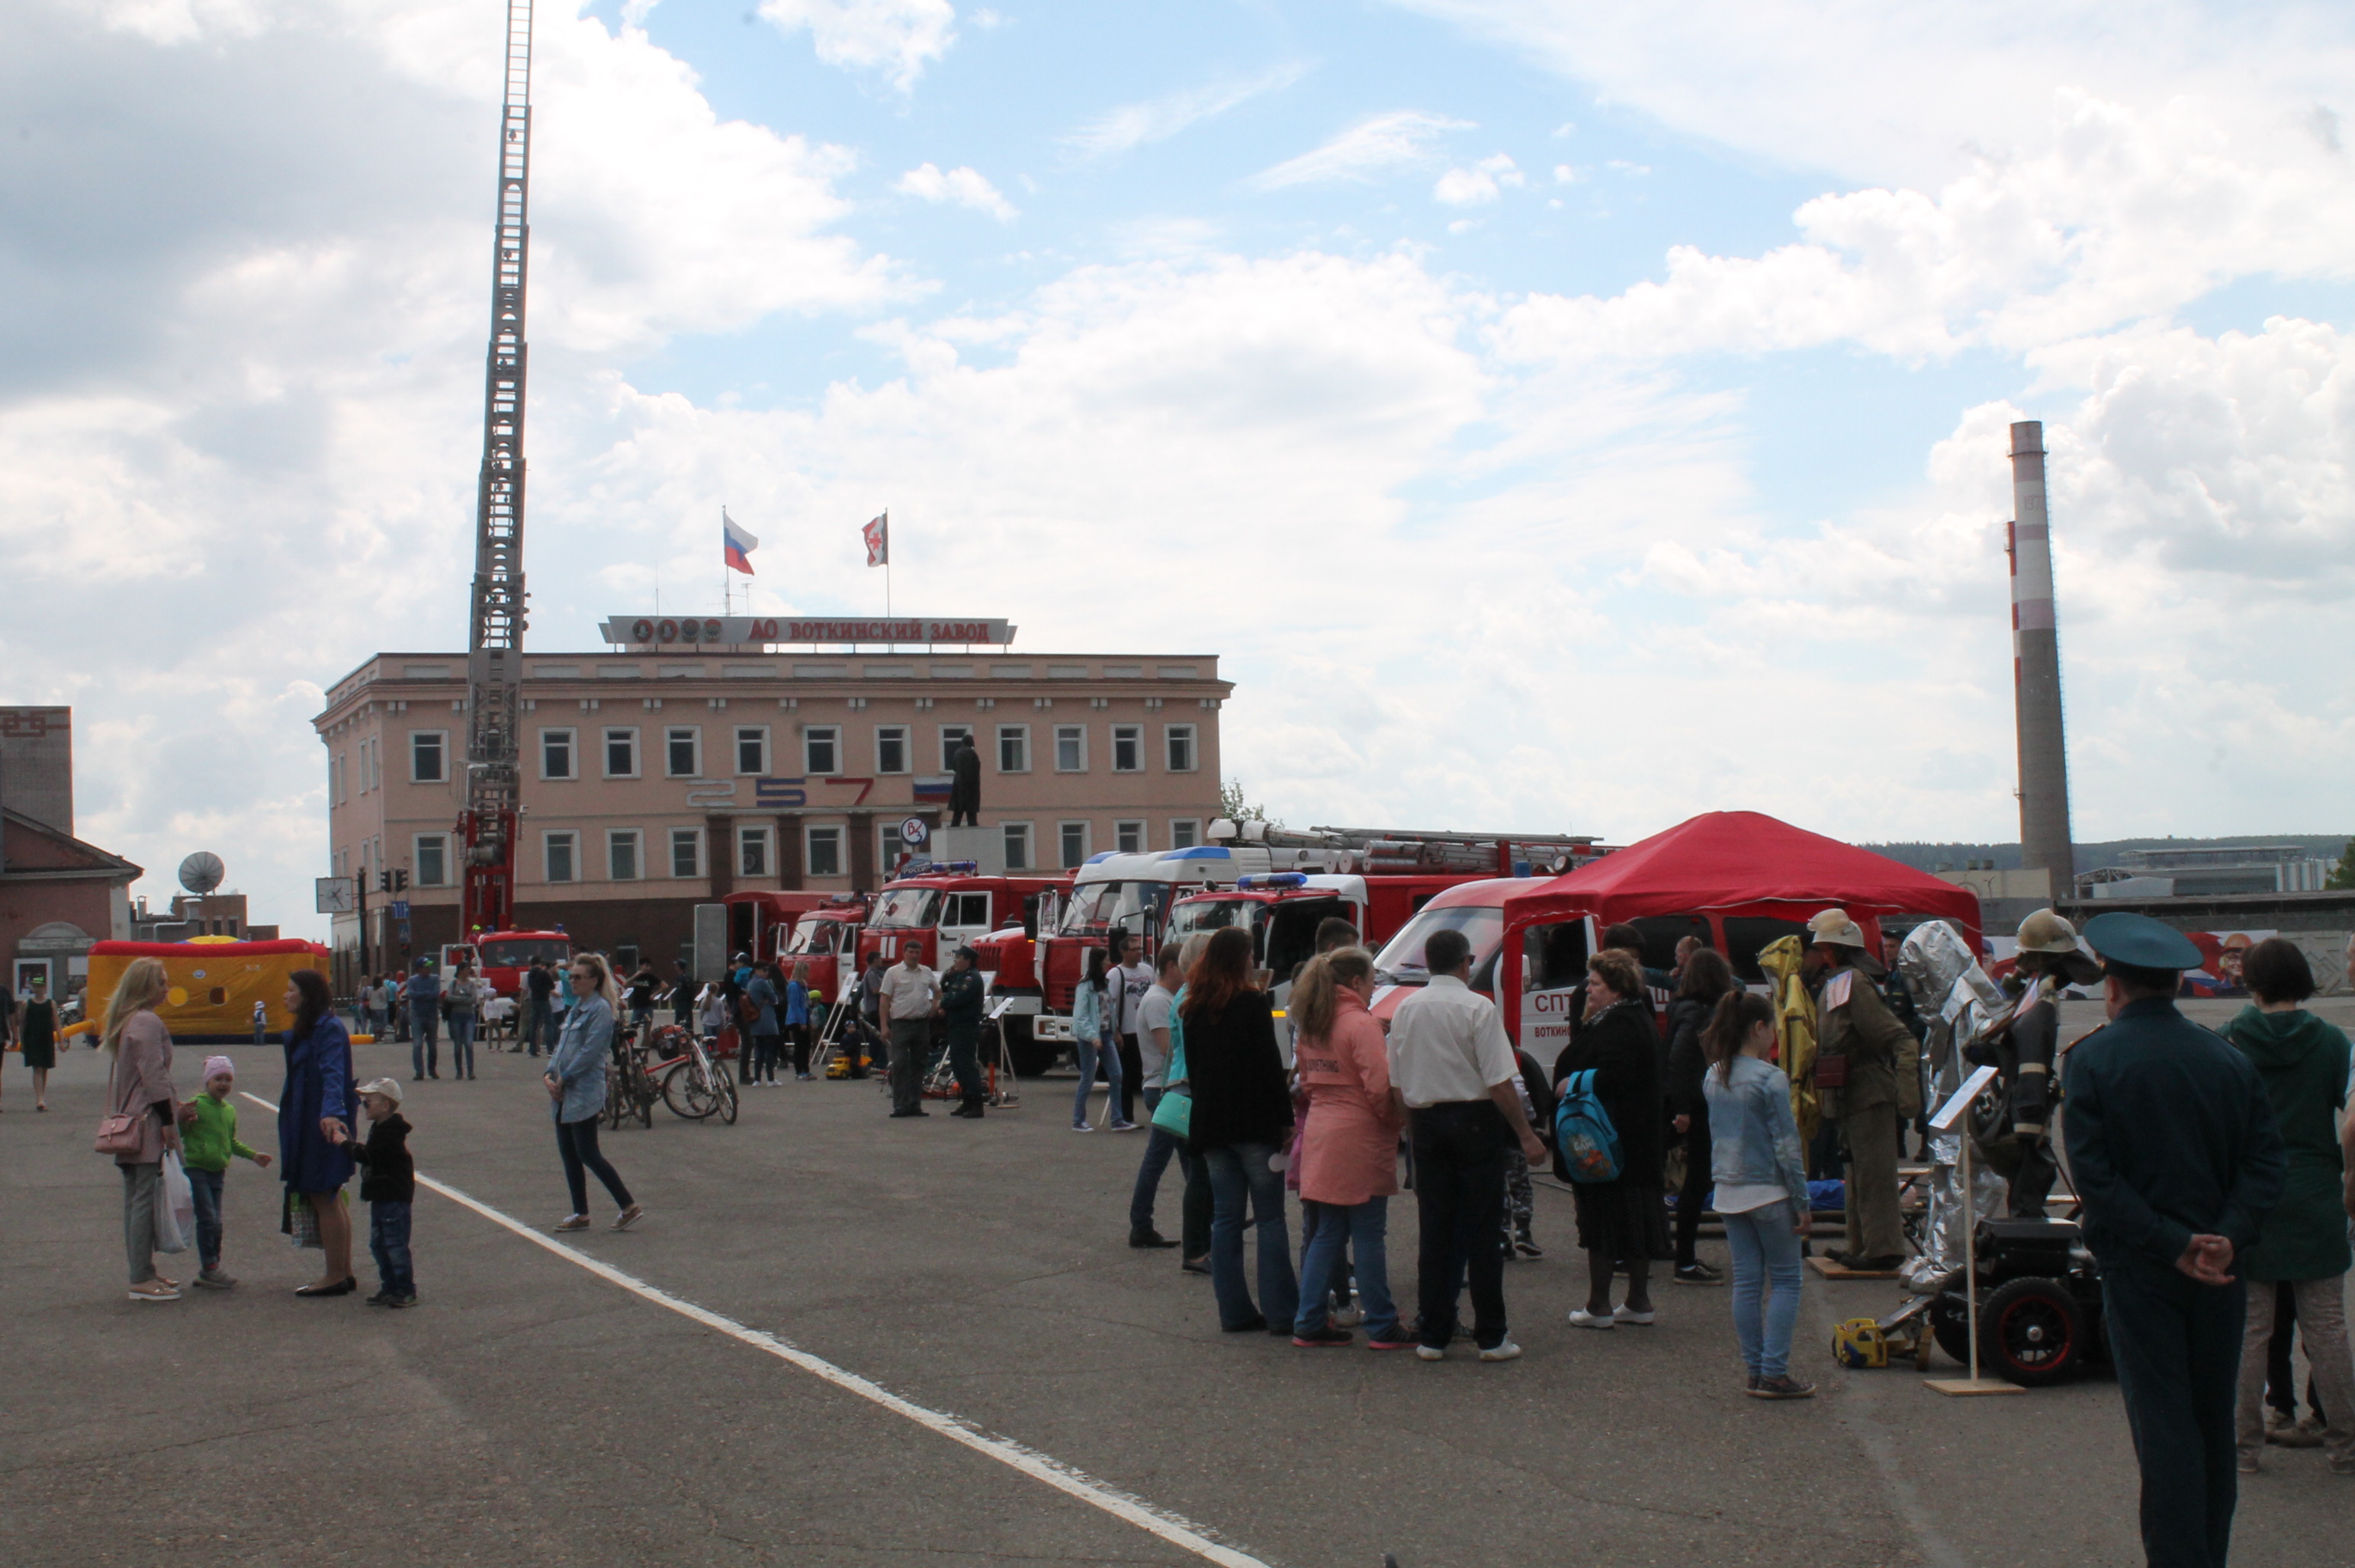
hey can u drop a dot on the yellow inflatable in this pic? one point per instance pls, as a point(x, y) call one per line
point(215, 983)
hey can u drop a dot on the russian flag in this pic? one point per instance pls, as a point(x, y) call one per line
point(738, 544)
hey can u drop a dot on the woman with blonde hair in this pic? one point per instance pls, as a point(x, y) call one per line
point(1348, 1149)
point(139, 1087)
point(576, 1082)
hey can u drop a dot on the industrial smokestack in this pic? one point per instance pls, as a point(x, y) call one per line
point(2044, 837)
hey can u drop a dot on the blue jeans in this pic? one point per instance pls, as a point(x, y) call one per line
point(462, 1044)
point(1240, 1172)
point(1090, 1052)
point(1765, 1246)
point(207, 1187)
point(388, 1245)
point(1365, 1227)
point(1158, 1148)
point(424, 1050)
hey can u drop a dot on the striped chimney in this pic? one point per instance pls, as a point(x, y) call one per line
point(2044, 835)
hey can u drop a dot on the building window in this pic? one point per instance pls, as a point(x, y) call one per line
point(892, 749)
point(621, 854)
point(431, 858)
point(366, 746)
point(1181, 748)
point(1014, 748)
point(1128, 748)
point(952, 737)
point(753, 749)
point(1017, 845)
point(1184, 833)
point(751, 852)
point(1075, 844)
point(686, 851)
point(822, 749)
point(335, 779)
point(1128, 837)
point(1070, 748)
point(555, 755)
point(823, 852)
point(560, 852)
point(891, 846)
point(683, 753)
point(620, 754)
point(429, 753)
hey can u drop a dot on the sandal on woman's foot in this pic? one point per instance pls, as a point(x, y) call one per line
point(573, 1222)
point(154, 1290)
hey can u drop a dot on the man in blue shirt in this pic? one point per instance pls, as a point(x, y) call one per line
point(2172, 1147)
point(424, 994)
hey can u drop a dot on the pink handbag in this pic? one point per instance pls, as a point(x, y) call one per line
point(118, 1134)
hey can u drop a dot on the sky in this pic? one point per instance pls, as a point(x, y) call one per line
point(1559, 417)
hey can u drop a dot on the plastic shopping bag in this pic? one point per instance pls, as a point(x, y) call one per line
point(175, 1208)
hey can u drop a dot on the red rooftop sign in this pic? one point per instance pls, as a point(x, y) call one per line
point(656, 630)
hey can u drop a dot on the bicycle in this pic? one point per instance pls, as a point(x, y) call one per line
point(629, 1092)
point(694, 1085)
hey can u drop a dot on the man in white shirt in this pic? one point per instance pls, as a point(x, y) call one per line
point(1125, 989)
point(905, 1000)
point(1452, 1068)
point(1153, 1052)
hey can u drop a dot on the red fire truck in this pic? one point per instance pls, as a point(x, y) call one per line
point(761, 921)
point(938, 906)
point(1281, 882)
point(827, 939)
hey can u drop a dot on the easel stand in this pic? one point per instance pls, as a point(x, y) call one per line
point(1970, 1387)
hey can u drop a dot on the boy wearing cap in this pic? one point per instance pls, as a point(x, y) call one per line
point(206, 1144)
point(2172, 1147)
point(390, 1187)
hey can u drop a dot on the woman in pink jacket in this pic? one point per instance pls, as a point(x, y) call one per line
point(1348, 1151)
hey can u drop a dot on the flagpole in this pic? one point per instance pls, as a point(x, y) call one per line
point(726, 604)
point(887, 570)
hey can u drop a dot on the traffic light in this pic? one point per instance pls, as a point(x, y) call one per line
point(400, 882)
point(384, 881)
point(393, 881)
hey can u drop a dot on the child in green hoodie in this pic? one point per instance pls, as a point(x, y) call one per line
point(206, 1144)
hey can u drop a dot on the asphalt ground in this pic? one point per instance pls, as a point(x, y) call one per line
point(532, 1411)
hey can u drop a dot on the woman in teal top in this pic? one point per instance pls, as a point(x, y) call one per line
point(2303, 1063)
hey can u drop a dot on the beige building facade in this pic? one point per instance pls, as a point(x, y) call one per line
point(658, 778)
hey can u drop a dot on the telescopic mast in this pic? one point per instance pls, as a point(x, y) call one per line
point(494, 645)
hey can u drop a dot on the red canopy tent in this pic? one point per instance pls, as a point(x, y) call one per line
point(1745, 864)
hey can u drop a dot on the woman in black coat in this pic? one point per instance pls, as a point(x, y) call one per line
point(1704, 978)
point(1625, 1219)
point(1240, 1120)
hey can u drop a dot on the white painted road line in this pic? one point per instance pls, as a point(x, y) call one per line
point(1130, 1509)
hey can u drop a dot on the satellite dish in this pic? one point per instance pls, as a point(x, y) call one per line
point(201, 872)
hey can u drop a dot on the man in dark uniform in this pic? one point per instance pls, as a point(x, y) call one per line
point(963, 992)
point(965, 786)
point(2018, 1142)
point(1870, 1063)
point(2172, 1146)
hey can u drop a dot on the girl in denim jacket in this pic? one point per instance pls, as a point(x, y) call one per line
point(1762, 1187)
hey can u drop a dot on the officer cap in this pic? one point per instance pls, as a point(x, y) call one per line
point(2124, 937)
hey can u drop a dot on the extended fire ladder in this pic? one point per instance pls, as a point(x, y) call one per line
point(495, 646)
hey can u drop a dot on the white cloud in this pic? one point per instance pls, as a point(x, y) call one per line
point(962, 187)
point(1403, 136)
point(1479, 183)
point(1134, 125)
point(895, 39)
point(1911, 95)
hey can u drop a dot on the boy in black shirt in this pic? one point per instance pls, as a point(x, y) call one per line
point(390, 1187)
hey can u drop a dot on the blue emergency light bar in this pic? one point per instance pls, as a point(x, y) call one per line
point(1272, 880)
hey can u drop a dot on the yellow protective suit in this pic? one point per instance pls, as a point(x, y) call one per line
point(1795, 1032)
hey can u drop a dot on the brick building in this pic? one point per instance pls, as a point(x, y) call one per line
point(665, 774)
point(58, 894)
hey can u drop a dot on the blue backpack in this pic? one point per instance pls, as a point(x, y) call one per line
point(1582, 1133)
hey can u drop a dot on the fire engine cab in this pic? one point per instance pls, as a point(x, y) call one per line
point(506, 954)
point(937, 907)
point(827, 939)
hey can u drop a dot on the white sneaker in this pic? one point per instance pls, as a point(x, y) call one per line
point(1502, 1350)
point(1429, 1353)
point(1082, 1127)
point(1349, 1316)
point(1641, 1319)
point(1579, 1317)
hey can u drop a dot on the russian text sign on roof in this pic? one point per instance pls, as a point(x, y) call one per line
point(741, 630)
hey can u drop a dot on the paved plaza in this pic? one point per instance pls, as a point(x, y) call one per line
point(541, 1408)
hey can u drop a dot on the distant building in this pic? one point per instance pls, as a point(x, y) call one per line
point(193, 914)
point(671, 773)
point(2209, 871)
point(58, 894)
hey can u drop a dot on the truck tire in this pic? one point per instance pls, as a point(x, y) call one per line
point(1032, 1057)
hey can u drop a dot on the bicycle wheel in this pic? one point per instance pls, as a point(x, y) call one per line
point(725, 1086)
point(643, 1094)
point(687, 1094)
point(617, 1099)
